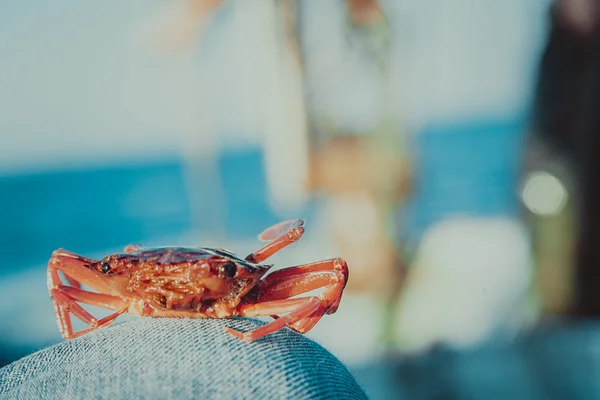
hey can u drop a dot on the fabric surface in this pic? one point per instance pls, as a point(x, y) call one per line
point(180, 359)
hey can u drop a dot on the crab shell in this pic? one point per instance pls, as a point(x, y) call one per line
point(212, 282)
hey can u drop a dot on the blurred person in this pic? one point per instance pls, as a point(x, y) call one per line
point(356, 163)
point(467, 87)
point(557, 359)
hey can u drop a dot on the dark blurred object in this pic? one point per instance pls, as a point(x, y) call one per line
point(568, 100)
point(568, 65)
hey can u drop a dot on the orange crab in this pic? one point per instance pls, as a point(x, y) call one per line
point(180, 282)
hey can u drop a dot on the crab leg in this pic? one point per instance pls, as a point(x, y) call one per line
point(334, 264)
point(94, 299)
point(280, 235)
point(72, 282)
point(101, 324)
point(65, 304)
point(282, 283)
point(331, 274)
point(65, 298)
point(298, 309)
point(69, 305)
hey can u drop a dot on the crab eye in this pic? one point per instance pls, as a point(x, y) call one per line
point(105, 267)
point(228, 269)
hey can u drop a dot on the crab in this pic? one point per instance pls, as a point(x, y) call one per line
point(178, 282)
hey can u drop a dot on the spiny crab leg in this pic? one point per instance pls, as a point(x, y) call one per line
point(65, 304)
point(331, 274)
point(280, 235)
point(65, 298)
point(94, 299)
point(101, 324)
point(298, 309)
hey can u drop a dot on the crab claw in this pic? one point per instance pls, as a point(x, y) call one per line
point(279, 236)
point(277, 230)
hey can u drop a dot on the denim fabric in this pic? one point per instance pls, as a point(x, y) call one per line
point(180, 359)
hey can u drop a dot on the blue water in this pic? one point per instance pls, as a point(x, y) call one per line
point(95, 209)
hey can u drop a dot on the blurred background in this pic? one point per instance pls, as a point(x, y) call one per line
point(441, 148)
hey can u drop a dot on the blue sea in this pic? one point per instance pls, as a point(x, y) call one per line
point(98, 208)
